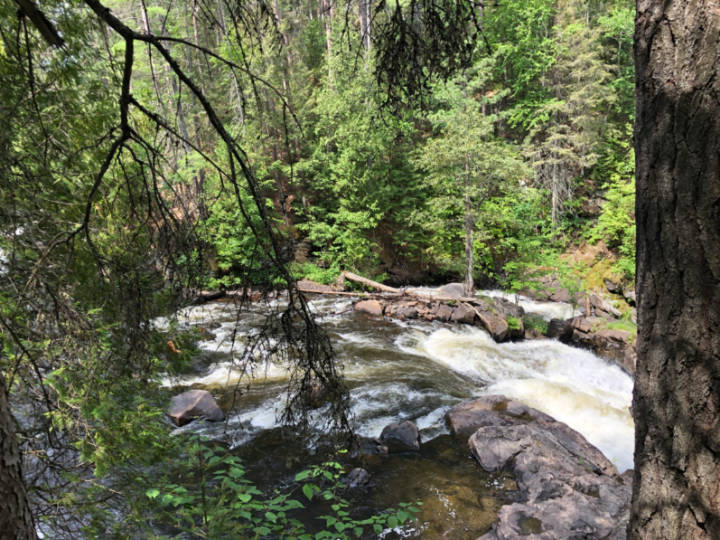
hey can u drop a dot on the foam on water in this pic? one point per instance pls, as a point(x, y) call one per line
point(418, 370)
point(547, 310)
point(571, 385)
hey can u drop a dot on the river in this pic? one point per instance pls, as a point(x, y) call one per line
point(412, 370)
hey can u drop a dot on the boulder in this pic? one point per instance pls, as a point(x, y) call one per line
point(507, 308)
point(616, 345)
point(442, 312)
point(495, 324)
point(630, 297)
point(357, 479)
point(402, 437)
point(371, 307)
point(366, 446)
point(453, 290)
point(560, 330)
point(568, 489)
point(402, 310)
point(613, 286)
point(560, 294)
point(602, 307)
point(463, 314)
point(186, 407)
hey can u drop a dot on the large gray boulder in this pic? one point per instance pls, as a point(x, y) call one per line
point(453, 290)
point(568, 489)
point(186, 407)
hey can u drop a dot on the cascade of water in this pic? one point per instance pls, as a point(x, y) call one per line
point(418, 370)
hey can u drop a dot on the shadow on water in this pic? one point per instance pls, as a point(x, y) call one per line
point(459, 499)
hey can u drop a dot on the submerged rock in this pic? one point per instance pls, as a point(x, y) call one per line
point(402, 437)
point(568, 488)
point(186, 407)
point(357, 479)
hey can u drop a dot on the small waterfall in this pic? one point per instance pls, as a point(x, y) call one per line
point(400, 370)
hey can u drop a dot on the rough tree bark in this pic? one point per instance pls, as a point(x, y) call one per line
point(677, 388)
point(15, 518)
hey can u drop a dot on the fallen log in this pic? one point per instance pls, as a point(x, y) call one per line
point(368, 282)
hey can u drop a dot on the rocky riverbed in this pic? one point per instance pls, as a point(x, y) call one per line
point(405, 370)
point(596, 323)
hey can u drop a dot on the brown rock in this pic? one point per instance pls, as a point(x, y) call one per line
point(443, 312)
point(186, 407)
point(402, 310)
point(496, 325)
point(560, 330)
point(463, 314)
point(630, 297)
point(603, 308)
point(371, 307)
point(612, 286)
point(616, 345)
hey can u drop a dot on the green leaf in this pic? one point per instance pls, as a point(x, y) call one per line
point(308, 491)
point(152, 493)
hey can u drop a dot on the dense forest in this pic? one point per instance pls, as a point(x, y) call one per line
point(154, 150)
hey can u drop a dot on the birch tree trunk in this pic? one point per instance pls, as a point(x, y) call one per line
point(676, 492)
point(469, 224)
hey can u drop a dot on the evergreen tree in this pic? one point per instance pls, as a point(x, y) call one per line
point(466, 163)
point(562, 144)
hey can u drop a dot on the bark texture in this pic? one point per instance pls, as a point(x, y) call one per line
point(677, 387)
point(15, 518)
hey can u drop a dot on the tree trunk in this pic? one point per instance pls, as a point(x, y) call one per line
point(364, 12)
point(676, 491)
point(469, 222)
point(327, 14)
point(15, 518)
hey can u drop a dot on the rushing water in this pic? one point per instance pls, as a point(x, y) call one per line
point(400, 370)
point(418, 370)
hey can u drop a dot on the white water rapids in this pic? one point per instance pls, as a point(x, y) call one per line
point(418, 370)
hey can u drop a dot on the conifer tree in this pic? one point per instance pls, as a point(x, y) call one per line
point(562, 144)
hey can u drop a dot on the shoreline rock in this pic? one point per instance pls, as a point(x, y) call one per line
point(567, 487)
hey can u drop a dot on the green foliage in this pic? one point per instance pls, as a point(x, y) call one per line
point(534, 322)
point(616, 223)
point(363, 187)
point(514, 323)
point(216, 500)
point(313, 272)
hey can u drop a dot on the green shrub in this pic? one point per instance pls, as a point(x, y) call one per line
point(313, 272)
point(217, 501)
point(514, 323)
point(535, 322)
